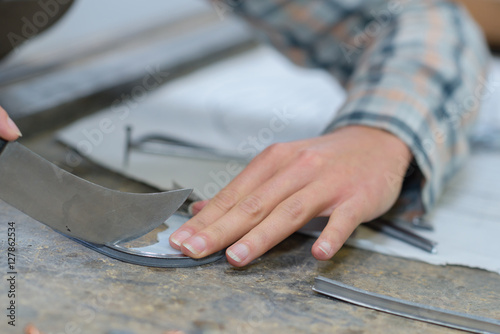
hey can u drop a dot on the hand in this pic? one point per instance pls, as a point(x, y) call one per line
point(352, 175)
point(8, 129)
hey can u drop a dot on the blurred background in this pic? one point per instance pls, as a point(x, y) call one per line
point(62, 60)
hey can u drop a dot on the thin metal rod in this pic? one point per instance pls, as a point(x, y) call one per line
point(403, 234)
point(128, 145)
point(405, 308)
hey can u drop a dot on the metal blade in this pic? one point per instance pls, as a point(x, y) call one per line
point(76, 207)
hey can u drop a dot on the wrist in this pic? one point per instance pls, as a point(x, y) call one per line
point(389, 144)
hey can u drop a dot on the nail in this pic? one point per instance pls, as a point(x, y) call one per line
point(14, 127)
point(179, 237)
point(325, 247)
point(238, 252)
point(196, 245)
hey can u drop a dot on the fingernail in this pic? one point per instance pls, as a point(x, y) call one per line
point(238, 252)
point(179, 237)
point(14, 127)
point(325, 247)
point(196, 245)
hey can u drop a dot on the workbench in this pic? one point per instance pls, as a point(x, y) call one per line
point(64, 287)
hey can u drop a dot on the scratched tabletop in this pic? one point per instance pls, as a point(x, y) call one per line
point(63, 287)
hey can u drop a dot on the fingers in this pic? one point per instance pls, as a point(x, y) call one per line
point(246, 214)
point(343, 221)
point(246, 182)
point(287, 218)
point(213, 210)
point(8, 129)
point(283, 188)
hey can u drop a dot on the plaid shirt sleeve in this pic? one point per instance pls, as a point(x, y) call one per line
point(413, 68)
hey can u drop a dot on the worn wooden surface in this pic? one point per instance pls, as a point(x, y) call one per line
point(63, 287)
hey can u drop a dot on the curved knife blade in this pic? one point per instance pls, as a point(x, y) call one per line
point(76, 207)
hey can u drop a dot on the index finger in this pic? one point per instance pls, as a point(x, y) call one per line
point(243, 184)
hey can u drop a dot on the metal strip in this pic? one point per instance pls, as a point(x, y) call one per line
point(159, 261)
point(403, 234)
point(161, 257)
point(405, 308)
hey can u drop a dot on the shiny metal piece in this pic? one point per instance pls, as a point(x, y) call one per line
point(150, 260)
point(163, 258)
point(405, 308)
point(76, 207)
point(163, 145)
point(393, 230)
point(422, 223)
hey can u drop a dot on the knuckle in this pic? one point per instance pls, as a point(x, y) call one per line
point(261, 239)
point(252, 206)
point(293, 208)
point(336, 237)
point(366, 194)
point(217, 233)
point(311, 159)
point(198, 223)
point(351, 216)
point(276, 149)
point(225, 199)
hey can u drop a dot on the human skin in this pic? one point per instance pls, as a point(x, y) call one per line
point(352, 175)
point(8, 129)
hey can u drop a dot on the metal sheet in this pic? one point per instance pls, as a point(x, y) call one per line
point(160, 261)
point(159, 254)
point(406, 235)
point(405, 308)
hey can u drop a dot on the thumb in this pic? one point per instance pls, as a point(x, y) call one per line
point(8, 129)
